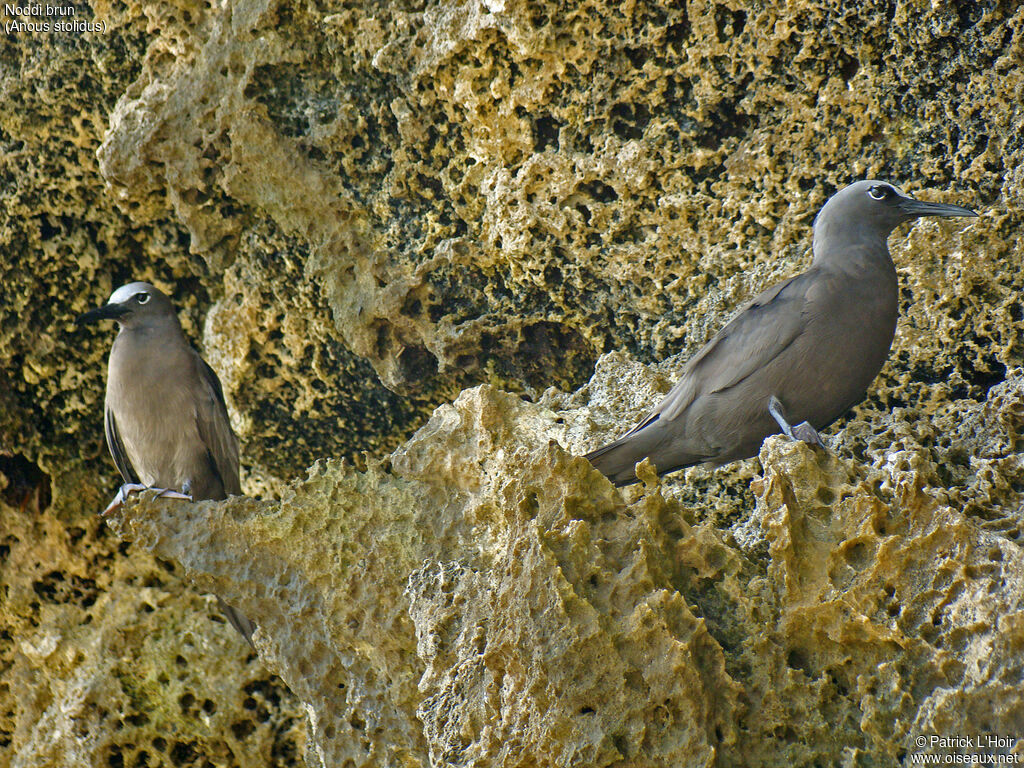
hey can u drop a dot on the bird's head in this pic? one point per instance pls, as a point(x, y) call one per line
point(132, 305)
point(869, 211)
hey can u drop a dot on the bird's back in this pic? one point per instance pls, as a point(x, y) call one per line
point(847, 323)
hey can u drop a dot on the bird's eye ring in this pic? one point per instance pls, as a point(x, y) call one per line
point(879, 192)
point(142, 298)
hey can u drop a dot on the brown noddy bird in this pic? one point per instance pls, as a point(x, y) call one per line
point(802, 352)
point(166, 421)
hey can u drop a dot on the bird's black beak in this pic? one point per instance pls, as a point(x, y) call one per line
point(915, 208)
point(106, 312)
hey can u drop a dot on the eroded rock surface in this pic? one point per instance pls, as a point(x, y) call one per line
point(494, 602)
point(489, 599)
point(365, 210)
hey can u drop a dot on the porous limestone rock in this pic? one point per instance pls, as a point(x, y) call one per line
point(485, 598)
point(362, 210)
point(109, 659)
point(488, 599)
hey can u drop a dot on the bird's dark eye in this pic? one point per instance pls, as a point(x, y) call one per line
point(880, 192)
point(142, 298)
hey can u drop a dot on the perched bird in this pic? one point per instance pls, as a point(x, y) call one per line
point(801, 353)
point(166, 422)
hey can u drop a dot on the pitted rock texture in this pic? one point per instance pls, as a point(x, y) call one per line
point(109, 659)
point(444, 613)
point(362, 210)
point(486, 598)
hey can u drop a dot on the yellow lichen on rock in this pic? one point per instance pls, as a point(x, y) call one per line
point(493, 602)
point(365, 210)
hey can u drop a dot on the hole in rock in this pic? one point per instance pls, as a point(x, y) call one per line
point(599, 191)
point(242, 728)
point(417, 364)
point(545, 133)
point(183, 753)
point(796, 659)
point(26, 483)
point(858, 555)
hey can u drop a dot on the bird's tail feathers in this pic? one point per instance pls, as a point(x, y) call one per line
point(616, 460)
point(604, 449)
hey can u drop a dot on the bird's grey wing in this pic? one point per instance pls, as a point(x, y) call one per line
point(116, 446)
point(215, 427)
point(761, 331)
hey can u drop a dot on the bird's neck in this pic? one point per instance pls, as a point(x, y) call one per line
point(166, 329)
point(853, 250)
point(151, 345)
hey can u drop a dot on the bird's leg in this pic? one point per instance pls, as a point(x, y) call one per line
point(129, 488)
point(803, 431)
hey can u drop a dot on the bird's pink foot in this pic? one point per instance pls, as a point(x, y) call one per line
point(167, 493)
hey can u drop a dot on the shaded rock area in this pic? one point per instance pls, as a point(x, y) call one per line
point(366, 212)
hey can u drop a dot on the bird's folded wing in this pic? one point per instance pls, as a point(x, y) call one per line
point(215, 427)
point(761, 331)
point(116, 446)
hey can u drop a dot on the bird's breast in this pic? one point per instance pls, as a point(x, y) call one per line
point(149, 396)
point(850, 329)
